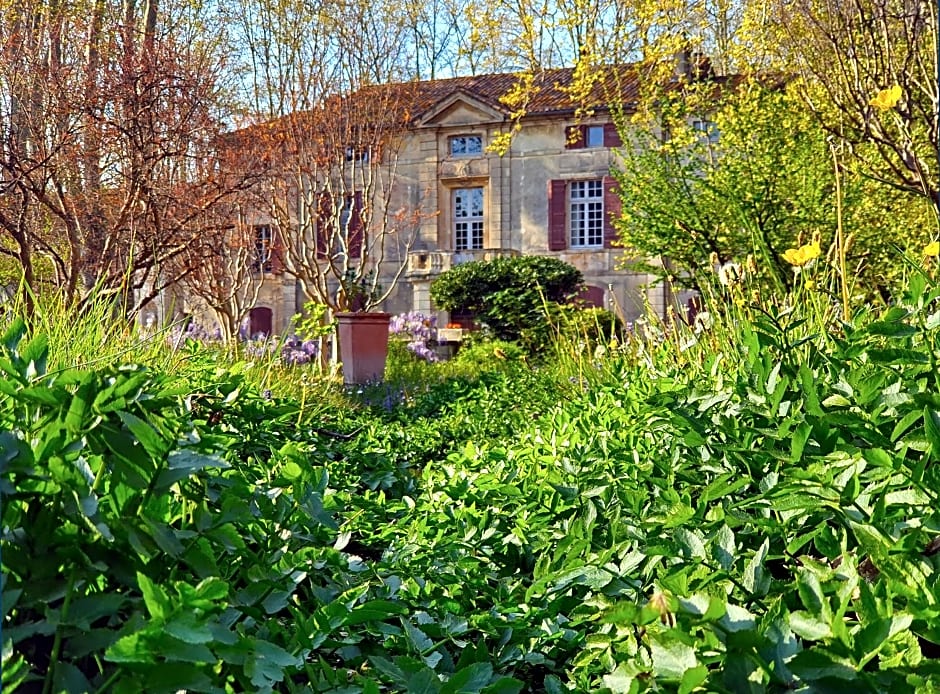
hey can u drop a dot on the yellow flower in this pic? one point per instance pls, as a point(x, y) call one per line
point(932, 249)
point(802, 255)
point(810, 284)
point(886, 99)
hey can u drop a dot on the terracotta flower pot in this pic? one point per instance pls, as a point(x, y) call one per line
point(363, 346)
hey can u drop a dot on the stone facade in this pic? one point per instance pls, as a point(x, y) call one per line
point(550, 193)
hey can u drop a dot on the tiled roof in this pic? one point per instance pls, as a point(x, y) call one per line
point(549, 94)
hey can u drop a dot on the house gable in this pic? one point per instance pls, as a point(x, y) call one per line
point(460, 109)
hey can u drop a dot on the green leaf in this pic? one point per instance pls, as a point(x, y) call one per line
point(622, 680)
point(836, 400)
point(870, 639)
point(418, 638)
point(692, 678)
point(808, 626)
point(932, 430)
point(374, 611)
point(212, 588)
point(183, 463)
point(724, 548)
point(175, 650)
point(671, 657)
point(811, 593)
point(268, 663)
point(424, 681)
point(469, 680)
point(817, 663)
point(186, 627)
point(70, 679)
point(737, 618)
point(155, 446)
point(79, 406)
point(798, 440)
point(158, 605)
point(754, 579)
point(133, 648)
point(504, 685)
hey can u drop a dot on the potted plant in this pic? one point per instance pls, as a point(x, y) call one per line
point(362, 333)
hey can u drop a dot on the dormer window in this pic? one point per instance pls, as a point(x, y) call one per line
point(466, 145)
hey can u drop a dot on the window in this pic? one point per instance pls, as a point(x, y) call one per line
point(582, 213)
point(466, 145)
point(264, 240)
point(340, 225)
point(706, 129)
point(594, 136)
point(468, 219)
point(357, 154)
point(586, 213)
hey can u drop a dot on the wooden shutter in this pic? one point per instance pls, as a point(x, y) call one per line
point(611, 136)
point(612, 210)
point(356, 230)
point(324, 228)
point(557, 215)
point(277, 250)
point(575, 137)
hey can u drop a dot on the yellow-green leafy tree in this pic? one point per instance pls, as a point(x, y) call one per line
point(737, 170)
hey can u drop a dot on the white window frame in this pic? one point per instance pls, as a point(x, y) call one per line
point(263, 244)
point(468, 218)
point(586, 213)
point(460, 145)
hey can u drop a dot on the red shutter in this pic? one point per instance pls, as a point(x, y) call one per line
point(612, 210)
point(324, 227)
point(557, 215)
point(277, 250)
point(611, 136)
point(354, 241)
point(574, 137)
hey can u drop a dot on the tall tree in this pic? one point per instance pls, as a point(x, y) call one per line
point(751, 174)
point(870, 75)
point(110, 115)
point(330, 111)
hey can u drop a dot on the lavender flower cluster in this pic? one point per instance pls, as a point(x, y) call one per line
point(291, 351)
point(417, 328)
point(193, 331)
point(297, 351)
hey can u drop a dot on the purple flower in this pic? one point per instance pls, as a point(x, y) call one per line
point(419, 328)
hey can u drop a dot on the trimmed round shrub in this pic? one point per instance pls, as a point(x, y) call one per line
point(513, 296)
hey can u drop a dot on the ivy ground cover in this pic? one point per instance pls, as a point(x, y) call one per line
point(758, 513)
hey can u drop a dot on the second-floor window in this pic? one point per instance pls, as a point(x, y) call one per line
point(468, 219)
point(264, 240)
point(707, 129)
point(594, 136)
point(586, 213)
point(466, 145)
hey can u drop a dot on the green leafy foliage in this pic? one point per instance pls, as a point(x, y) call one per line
point(755, 175)
point(766, 521)
point(512, 295)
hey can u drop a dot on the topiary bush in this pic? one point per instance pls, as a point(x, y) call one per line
point(513, 296)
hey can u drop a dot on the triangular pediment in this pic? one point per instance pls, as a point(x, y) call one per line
point(460, 108)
